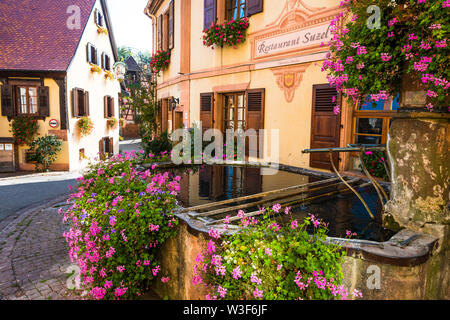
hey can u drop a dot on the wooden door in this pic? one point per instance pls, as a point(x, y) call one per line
point(164, 115)
point(325, 126)
point(207, 111)
point(178, 120)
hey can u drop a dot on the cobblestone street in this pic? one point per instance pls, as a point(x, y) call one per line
point(33, 255)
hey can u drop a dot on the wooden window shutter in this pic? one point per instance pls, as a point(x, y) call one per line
point(44, 103)
point(171, 24)
point(210, 13)
point(112, 107)
point(159, 32)
point(111, 146)
point(105, 106)
point(323, 98)
point(7, 101)
point(86, 103)
point(103, 62)
point(206, 110)
point(101, 146)
point(254, 6)
point(255, 108)
point(89, 53)
point(75, 109)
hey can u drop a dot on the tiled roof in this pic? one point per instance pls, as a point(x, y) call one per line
point(34, 33)
point(132, 64)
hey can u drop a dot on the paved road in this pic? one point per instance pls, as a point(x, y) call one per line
point(130, 145)
point(22, 192)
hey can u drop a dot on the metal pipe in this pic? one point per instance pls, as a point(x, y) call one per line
point(347, 149)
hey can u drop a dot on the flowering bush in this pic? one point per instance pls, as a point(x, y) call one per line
point(268, 261)
point(411, 41)
point(231, 33)
point(85, 125)
point(160, 61)
point(24, 129)
point(118, 221)
point(373, 160)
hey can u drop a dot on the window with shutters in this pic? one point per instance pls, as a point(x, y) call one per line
point(92, 54)
point(165, 24)
point(27, 100)
point(106, 146)
point(210, 13)
point(109, 106)
point(98, 18)
point(106, 62)
point(80, 102)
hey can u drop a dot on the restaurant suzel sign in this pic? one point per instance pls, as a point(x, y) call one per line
point(293, 40)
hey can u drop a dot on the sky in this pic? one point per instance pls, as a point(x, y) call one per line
point(131, 27)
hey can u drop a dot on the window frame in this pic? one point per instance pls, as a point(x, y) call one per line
point(93, 55)
point(18, 97)
point(97, 15)
point(231, 5)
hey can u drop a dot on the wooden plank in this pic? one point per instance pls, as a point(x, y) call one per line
point(262, 194)
point(255, 213)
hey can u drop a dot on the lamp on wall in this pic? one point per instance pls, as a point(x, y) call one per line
point(174, 102)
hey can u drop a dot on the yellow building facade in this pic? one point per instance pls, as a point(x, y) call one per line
point(274, 76)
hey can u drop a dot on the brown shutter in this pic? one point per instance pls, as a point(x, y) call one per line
point(103, 62)
point(171, 24)
point(206, 110)
point(96, 17)
point(255, 117)
point(75, 109)
point(44, 104)
point(86, 103)
point(101, 146)
point(105, 106)
point(111, 146)
point(159, 32)
point(88, 52)
point(254, 6)
point(210, 13)
point(112, 108)
point(7, 101)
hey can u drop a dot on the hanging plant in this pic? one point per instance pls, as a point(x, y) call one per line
point(95, 68)
point(410, 41)
point(85, 125)
point(102, 30)
point(111, 123)
point(160, 61)
point(109, 75)
point(24, 129)
point(229, 33)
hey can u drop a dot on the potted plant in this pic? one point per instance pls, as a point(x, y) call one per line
point(112, 123)
point(85, 126)
point(160, 61)
point(95, 68)
point(46, 151)
point(230, 33)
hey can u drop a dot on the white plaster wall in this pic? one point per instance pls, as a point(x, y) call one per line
point(80, 76)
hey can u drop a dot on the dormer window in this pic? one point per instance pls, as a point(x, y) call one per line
point(98, 18)
point(92, 54)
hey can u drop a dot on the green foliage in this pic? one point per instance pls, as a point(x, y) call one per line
point(230, 33)
point(160, 61)
point(46, 151)
point(273, 262)
point(158, 145)
point(85, 125)
point(119, 220)
point(24, 128)
point(373, 161)
point(411, 42)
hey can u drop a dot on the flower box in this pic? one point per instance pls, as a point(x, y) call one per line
point(230, 33)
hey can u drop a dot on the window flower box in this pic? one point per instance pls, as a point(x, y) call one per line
point(109, 75)
point(102, 30)
point(160, 61)
point(112, 123)
point(231, 33)
point(85, 125)
point(95, 68)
